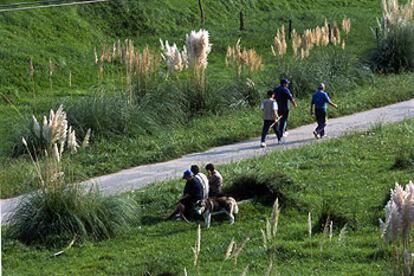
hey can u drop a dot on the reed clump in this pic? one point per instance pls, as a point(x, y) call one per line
point(240, 59)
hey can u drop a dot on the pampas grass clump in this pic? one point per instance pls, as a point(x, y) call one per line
point(59, 211)
point(399, 214)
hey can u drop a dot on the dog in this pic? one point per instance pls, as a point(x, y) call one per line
point(216, 205)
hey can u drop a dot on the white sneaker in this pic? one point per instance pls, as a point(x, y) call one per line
point(262, 145)
point(286, 134)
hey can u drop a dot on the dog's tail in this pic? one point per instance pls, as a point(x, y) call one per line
point(236, 207)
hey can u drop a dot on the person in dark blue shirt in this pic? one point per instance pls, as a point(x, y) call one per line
point(320, 101)
point(193, 191)
point(283, 97)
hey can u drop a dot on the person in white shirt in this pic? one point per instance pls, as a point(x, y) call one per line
point(202, 178)
point(270, 118)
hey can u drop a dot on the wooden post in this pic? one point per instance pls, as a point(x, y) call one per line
point(290, 29)
point(241, 17)
point(202, 16)
point(330, 33)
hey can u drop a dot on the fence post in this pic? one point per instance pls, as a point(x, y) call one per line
point(330, 33)
point(241, 17)
point(202, 16)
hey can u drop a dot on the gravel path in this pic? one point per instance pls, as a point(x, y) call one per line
point(139, 177)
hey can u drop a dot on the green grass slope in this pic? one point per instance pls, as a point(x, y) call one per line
point(68, 35)
point(350, 176)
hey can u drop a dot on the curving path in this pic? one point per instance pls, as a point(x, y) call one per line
point(139, 177)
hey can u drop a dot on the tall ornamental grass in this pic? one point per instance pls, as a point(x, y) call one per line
point(398, 226)
point(58, 210)
point(394, 51)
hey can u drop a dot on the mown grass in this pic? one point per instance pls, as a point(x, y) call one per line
point(352, 175)
point(107, 155)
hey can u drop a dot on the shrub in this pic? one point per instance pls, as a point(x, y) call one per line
point(394, 52)
point(404, 160)
point(265, 188)
point(339, 218)
point(53, 217)
point(336, 68)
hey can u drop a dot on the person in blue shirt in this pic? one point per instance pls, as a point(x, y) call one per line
point(283, 97)
point(320, 101)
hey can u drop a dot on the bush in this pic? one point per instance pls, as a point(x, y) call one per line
point(336, 68)
point(265, 188)
point(330, 212)
point(395, 51)
point(53, 217)
point(404, 160)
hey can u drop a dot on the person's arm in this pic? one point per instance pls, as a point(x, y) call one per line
point(311, 108)
point(291, 99)
point(275, 116)
point(330, 102)
point(294, 103)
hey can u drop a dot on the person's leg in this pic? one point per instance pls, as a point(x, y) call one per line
point(286, 121)
point(321, 120)
point(282, 123)
point(265, 129)
point(323, 123)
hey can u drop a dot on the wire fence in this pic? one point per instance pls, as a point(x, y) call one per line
point(24, 6)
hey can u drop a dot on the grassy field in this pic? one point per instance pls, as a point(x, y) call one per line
point(333, 176)
point(109, 155)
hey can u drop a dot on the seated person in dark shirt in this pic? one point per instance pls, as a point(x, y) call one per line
point(193, 191)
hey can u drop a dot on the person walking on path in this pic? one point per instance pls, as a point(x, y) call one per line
point(202, 178)
point(283, 97)
point(320, 101)
point(270, 117)
point(215, 181)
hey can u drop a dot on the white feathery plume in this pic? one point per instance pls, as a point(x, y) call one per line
point(36, 127)
point(172, 57)
point(72, 143)
point(24, 141)
point(275, 217)
point(56, 153)
point(229, 250)
point(197, 246)
point(330, 230)
point(309, 225)
point(343, 233)
point(86, 139)
point(198, 47)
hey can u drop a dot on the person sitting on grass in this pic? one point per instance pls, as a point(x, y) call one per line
point(202, 178)
point(320, 101)
point(270, 117)
point(215, 181)
point(193, 191)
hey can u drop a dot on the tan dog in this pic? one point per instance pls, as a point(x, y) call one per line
point(216, 205)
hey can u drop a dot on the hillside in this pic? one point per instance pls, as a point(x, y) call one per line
point(68, 35)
